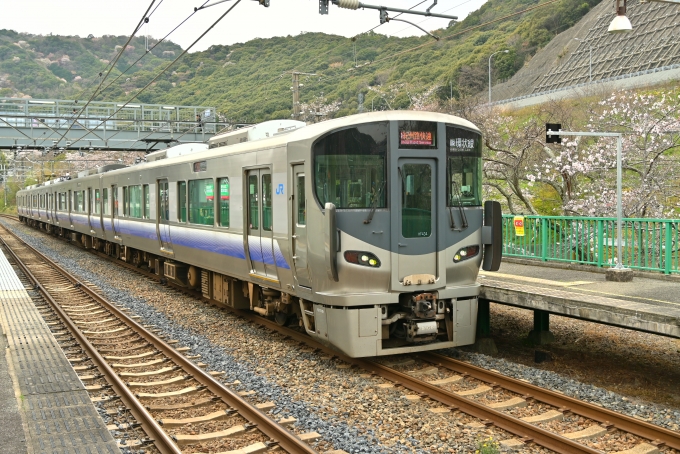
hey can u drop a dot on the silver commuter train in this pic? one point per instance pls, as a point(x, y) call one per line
point(367, 230)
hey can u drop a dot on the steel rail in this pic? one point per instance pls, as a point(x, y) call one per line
point(524, 430)
point(148, 424)
point(654, 433)
point(527, 432)
point(281, 436)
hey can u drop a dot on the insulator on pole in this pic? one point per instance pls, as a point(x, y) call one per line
point(348, 4)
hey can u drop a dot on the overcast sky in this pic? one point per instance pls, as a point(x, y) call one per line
point(248, 20)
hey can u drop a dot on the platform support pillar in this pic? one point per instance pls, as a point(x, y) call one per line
point(541, 334)
point(483, 342)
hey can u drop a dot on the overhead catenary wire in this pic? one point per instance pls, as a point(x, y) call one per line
point(414, 6)
point(342, 73)
point(445, 38)
point(109, 67)
point(428, 18)
point(475, 27)
point(152, 48)
point(309, 62)
point(142, 21)
point(122, 106)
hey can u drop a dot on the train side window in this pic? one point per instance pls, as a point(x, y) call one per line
point(105, 201)
point(202, 201)
point(126, 201)
point(182, 201)
point(114, 200)
point(266, 202)
point(77, 202)
point(300, 194)
point(147, 201)
point(223, 184)
point(133, 201)
point(96, 209)
point(252, 202)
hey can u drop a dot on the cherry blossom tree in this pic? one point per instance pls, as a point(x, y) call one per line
point(578, 177)
point(651, 136)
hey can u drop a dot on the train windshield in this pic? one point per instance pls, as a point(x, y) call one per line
point(463, 167)
point(350, 169)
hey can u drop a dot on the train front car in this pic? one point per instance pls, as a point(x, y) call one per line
point(398, 209)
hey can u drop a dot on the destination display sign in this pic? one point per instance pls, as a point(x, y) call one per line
point(463, 141)
point(417, 134)
point(461, 144)
point(416, 138)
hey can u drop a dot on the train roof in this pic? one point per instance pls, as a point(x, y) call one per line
point(309, 132)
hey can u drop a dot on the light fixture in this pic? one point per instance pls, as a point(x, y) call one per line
point(620, 24)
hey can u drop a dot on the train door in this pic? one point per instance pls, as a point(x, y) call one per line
point(259, 223)
point(417, 221)
point(163, 216)
point(114, 211)
point(299, 218)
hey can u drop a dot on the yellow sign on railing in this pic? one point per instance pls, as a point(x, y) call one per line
point(519, 225)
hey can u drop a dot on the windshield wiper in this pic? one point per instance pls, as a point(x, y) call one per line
point(374, 205)
point(463, 218)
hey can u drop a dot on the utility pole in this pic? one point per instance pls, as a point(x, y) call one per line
point(296, 93)
point(296, 96)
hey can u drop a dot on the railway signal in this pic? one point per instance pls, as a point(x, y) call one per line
point(550, 130)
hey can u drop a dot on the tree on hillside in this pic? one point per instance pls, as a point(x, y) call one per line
point(510, 147)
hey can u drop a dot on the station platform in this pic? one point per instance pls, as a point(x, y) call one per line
point(44, 406)
point(649, 303)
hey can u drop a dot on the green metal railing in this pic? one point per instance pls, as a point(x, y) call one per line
point(647, 244)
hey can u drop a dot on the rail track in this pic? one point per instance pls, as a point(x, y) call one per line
point(529, 413)
point(177, 405)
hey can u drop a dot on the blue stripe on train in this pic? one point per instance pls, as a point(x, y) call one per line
point(221, 243)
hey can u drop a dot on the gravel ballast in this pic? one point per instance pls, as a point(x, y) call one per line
point(350, 411)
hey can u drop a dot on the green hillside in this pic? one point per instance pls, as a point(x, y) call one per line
point(251, 81)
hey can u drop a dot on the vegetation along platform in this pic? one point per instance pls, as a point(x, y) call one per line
point(648, 303)
point(39, 388)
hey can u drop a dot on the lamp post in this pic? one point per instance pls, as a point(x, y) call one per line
point(621, 23)
point(590, 64)
point(490, 57)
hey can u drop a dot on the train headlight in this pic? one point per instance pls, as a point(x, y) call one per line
point(466, 253)
point(362, 258)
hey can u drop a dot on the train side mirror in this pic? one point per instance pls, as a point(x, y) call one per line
point(492, 236)
point(330, 241)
